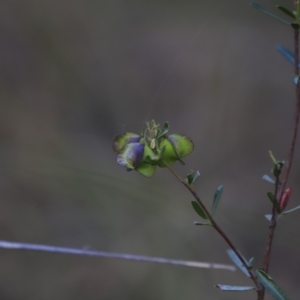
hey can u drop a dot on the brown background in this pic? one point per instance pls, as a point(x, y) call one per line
point(76, 73)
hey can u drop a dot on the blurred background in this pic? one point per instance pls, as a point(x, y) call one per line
point(74, 74)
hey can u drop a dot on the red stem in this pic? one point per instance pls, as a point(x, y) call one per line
point(280, 187)
point(216, 226)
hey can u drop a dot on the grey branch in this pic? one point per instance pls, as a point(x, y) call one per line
point(141, 258)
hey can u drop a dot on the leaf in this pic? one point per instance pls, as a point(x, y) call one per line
point(192, 177)
point(295, 79)
point(217, 198)
point(270, 285)
point(271, 196)
point(234, 288)
point(274, 160)
point(297, 12)
point(286, 11)
point(295, 26)
point(268, 178)
point(274, 201)
point(287, 54)
point(250, 262)
point(164, 130)
point(268, 217)
point(201, 223)
point(237, 262)
point(264, 10)
point(290, 210)
point(198, 209)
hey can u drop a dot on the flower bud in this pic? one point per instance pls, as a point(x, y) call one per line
point(285, 199)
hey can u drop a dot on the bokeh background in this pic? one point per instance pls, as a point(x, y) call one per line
point(74, 74)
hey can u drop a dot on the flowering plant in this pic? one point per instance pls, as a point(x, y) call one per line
point(152, 148)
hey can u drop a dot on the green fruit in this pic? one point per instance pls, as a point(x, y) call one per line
point(122, 140)
point(173, 148)
point(182, 144)
point(146, 169)
point(168, 153)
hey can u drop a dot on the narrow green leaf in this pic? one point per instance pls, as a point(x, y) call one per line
point(286, 11)
point(268, 178)
point(274, 160)
point(264, 10)
point(198, 209)
point(297, 10)
point(271, 286)
point(233, 288)
point(274, 201)
point(192, 177)
point(237, 262)
point(250, 262)
point(217, 198)
point(165, 130)
point(290, 210)
point(271, 197)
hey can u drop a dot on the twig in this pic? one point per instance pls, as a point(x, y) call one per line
point(280, 186)
point(140, 258)
point(216, 226)
point(297, 114)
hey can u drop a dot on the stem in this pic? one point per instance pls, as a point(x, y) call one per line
point(289, 160)
point(297, 114)
point(271, 229)
point(280, 188)
point(217, 227)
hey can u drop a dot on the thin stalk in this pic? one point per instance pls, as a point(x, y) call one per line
point(289, 161)
point(217, 227)
point(271, 229)
point(280, 186)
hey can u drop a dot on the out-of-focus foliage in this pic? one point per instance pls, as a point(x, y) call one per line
point(74, 74)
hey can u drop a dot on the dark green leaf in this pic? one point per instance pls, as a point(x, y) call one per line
point(286, 11)
point(262, 9)
point(237, 261)
point(268, 178)
point(217, 198)
point(271, 197)
point(192, 177)
point(233, 288)
point(271, 286)
point(273, 200)
point(164, 130)
point(198, 209)
point(295, 26)
point(290, 210)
